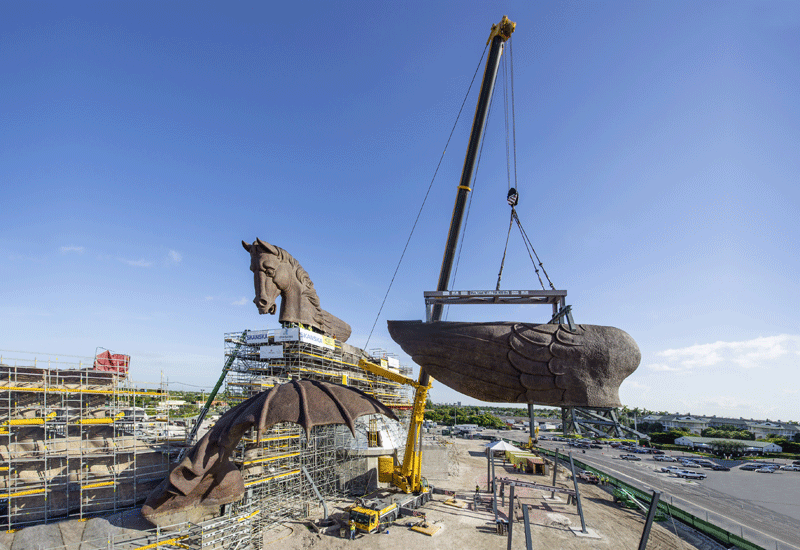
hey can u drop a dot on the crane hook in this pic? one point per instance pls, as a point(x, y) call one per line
point(513, 197)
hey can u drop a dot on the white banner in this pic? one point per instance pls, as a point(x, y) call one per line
point(270, 352)
point(287, 335)
point(257, 337)
point(317, 339)
point(394, 362)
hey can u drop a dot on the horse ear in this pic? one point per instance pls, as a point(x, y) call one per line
point(246, 246)
point(267, 247)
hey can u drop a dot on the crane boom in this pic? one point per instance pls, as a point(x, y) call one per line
point(408, 475)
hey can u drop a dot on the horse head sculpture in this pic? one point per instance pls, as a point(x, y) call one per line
point(277, 273)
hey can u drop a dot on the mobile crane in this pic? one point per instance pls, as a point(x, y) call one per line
point(407, 476)
point(375, 515)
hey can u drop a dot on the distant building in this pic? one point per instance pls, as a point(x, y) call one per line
point(696, 424)
point(706, 443)
point(171, 404)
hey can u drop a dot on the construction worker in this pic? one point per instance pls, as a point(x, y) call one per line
point(352, 530)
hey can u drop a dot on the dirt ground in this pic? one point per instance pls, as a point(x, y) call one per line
point(459, 465)
point(553, 522)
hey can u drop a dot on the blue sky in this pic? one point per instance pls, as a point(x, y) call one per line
point(657, 160)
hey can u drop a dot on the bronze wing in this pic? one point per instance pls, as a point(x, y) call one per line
point(508, 362)
point(206, 478)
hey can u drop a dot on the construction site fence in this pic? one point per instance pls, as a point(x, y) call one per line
point(705, 527)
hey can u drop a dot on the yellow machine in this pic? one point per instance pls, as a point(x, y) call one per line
point(375, 515)
point(532, 441)
point(407, 476)
point(370, 517)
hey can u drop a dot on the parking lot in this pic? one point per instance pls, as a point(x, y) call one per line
point(763, 507)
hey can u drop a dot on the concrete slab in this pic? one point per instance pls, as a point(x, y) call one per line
point(589, 534)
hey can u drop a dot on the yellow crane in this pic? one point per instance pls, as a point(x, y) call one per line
point(408, 476)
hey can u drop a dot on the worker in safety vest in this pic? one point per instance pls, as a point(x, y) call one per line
point(352, 529)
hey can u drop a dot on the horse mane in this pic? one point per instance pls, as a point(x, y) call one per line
point(308, 292)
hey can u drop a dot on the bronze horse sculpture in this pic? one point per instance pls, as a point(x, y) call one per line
point(277, 273)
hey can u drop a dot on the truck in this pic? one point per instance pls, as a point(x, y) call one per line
point(372, 516)
point(375, 515)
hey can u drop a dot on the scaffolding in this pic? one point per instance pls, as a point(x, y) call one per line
point(277, 466)
point(76, 442)
point(263, 359)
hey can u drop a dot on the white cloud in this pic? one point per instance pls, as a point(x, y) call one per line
point(637, 385)
point(174, 257)
point(69, 249)
point(662, 367)
point(240, 302)
point(756, 353)
point(136, 263)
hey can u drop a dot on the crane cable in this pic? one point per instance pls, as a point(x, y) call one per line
point(425, 199)
point(513, 195)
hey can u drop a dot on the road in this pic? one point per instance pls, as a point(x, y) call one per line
point(764, 508)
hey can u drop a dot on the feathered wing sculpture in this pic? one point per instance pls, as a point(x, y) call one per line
point(207, 478)
point(507, 362)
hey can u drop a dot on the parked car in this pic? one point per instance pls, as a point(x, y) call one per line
point(670, 469)
point(629, 457)
point(657, 452)
point(766, 470)
point(688, 474)
point(721, 468)
point(749, 466)
point(690, 464)
point(791, 468)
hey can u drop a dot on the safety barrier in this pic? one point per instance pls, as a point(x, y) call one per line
point(722, 535)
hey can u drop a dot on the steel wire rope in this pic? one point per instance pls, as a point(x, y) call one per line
point(529, 247)
point(513, 110)
point(506, 62)
point(514, 216)
point(505, 250)
point(505, 116)
point(425, 199)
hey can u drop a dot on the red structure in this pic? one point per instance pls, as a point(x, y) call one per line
point(112, 362)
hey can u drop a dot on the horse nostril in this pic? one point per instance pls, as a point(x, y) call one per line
point(260, 302)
